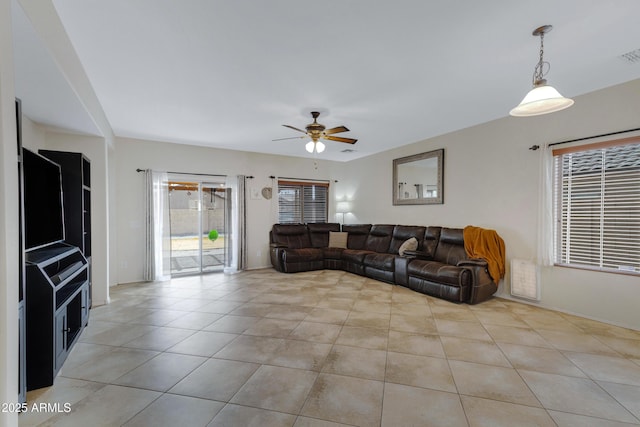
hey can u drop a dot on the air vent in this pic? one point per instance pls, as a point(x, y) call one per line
point(632, 57)
point(525, 281)
point(348, 150)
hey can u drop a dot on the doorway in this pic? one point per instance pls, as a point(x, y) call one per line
point(199, 218)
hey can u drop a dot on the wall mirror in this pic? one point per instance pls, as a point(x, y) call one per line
point(418, 179)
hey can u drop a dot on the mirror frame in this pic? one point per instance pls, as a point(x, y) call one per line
point(439, 156)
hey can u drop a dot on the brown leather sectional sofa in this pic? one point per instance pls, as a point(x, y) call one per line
point(438, 267)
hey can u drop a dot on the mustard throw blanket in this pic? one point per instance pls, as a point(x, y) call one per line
point(487, 245)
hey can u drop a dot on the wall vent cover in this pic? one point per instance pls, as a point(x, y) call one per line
point(632, 57)
point(525, 279)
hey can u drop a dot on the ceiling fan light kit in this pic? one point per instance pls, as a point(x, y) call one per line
point(317, 131)
point(316, 146)
point(542, 99)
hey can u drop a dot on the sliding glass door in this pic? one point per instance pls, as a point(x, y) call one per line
point(213, 218)
point(199, 216)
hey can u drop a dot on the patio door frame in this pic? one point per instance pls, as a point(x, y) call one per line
point(201, 181)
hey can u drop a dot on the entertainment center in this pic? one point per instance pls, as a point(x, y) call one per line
point(56, 240)
point(57, 309)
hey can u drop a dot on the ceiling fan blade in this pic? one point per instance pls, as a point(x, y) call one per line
point(291, 127)
point(337, 129)
point(341, 139)
point(292, 137)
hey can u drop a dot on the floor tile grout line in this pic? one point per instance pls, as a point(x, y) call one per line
point(597, 383)
point(576, 366)
point(616, 399)
point(388, 330)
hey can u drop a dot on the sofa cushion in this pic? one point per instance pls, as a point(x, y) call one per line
point(430, 242)
point(450, 249)
point(379, 238)
point(332, 253)
point(357, 235)
point(319, 233)
point(291, 235)
point(354, 256)
point(409, 245)
point(435, 271)
point(302, 255)
point(338, 239)
point(380, 261)
point(401, 233)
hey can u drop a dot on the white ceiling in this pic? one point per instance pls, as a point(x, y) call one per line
point(228, 74)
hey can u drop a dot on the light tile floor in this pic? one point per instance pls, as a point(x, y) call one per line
point(329, 348)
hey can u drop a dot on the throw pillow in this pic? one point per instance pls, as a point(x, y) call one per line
point(409, 245)
point(338, 239)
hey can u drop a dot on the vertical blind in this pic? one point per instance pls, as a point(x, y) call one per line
point(302, 202)
point(597, 206)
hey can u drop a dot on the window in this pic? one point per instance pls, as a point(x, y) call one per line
point(597, 205)
point(302, 202)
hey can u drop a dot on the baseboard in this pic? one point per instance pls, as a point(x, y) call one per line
point(259, 268)
point(98, 303)
point(559, 310)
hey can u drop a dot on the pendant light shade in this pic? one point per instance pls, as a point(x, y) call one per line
point(542, 99)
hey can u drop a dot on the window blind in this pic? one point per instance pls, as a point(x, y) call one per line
point(302, 202)
point(289, 204)
point(597, 206)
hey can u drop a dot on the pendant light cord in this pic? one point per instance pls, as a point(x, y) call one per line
point(538, 72)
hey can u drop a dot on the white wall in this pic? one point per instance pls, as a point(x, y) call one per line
point(132, 154)
point(33, 135)
point(112, 176)
point(8, 223)
point(492, 180)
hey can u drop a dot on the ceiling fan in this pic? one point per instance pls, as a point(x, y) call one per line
point(317, 131)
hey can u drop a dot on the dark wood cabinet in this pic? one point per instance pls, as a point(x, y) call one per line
point(76, 189)
point(57, 309)
point(56, 296)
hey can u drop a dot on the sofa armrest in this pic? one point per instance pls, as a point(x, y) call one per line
point(483, 285)
point(479, 269)
point(400, 273)
point(473, 262)
point(275, 254)
point(419, 255)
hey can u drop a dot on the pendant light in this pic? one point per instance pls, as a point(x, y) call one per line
point(542, 99)
point(316, 146)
